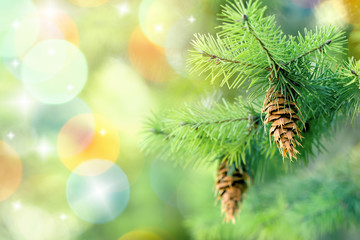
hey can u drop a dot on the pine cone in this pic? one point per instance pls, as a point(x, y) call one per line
point(283, 115)
point(231, 190)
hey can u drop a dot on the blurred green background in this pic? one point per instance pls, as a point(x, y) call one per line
point(78, 79)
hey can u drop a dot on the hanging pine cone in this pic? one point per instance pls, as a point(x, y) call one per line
point(231, 188)
point(283, 114)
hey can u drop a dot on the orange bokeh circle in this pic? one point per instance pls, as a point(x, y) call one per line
point(86, 137)
point(148, 58)
point(42, 25)
point(10, 171)
point(64, 23)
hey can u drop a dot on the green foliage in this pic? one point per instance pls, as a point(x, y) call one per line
point(220, 61)
point(248, 25)
point(307, 205)
point(251, 52)
point(202, 133)
point(251, 49)
point(348, 94)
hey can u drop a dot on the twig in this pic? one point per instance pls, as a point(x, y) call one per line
point(214, 122)
point(159, 132)
point(212, 56)
point(251, 30)
point(354, 73)
point(304, 54)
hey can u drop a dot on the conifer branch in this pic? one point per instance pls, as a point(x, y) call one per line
point(158, 132)
point(306, 53)
point(212, 56)
point(354, 73)
point(204, 132)
point(251, 30)
point(213, 122)
point(304, 75)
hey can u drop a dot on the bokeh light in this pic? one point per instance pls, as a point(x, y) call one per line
point(157, 16)
point(140, 235)
point(49, 119)
point(62, 21)
point(100, 198)
point(30, 222)
point(16, 130)
point(354, 42)
point(85, 137)
point(54, 71)
point(10, 170)
point(147, 58)
point(88, 3)
point(12, 12)
point(326, 13)
point(17, 42)
point(177, 46)
point(306, 3)
point(348, 10)
point(39, 26)
point(117, 82)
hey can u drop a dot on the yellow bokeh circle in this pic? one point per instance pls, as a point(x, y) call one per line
point(140, 235)
point(86, 137)
point(88, 3)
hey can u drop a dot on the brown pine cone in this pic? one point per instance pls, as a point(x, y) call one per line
point(283, 114)
point(231, 190)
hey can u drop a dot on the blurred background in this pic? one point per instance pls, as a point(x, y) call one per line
point(78, 79)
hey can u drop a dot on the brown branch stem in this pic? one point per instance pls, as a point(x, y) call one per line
point(251, 30)
point(214, 122)
point(212, 56)
point(312, 50)
point(354, 73)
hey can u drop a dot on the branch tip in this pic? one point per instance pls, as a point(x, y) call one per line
point(354, 73)
point(328, 42)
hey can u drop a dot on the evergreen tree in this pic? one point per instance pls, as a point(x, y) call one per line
point(299, 88)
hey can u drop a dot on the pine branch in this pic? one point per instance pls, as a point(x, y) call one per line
point(307, 84)
point(196, 125)
point(159, 132)
point(212, 56)
point(320, 38)
point(348, 92)
point(354, 73)
point(248, 24)
point(308, 52)
point(220, 59)
point(271, 58)
point(189, 131)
